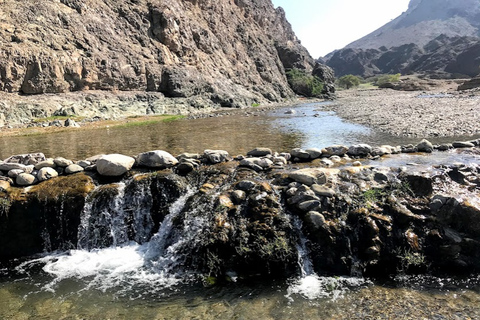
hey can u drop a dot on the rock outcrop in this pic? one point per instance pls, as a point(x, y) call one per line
point(228, 54)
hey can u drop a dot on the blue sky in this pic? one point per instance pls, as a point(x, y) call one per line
point(326, 25)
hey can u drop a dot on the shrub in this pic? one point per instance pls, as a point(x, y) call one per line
point(305, 84)
point(349, 81)
point(387, 78)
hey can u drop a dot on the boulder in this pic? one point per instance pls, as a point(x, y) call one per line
point(216, 156)
point(337, 150)
point(315, 219)
point(300, 154)
point(44, 164)
point(71, 123)
point(46, 173)
point(308, 176)
point(425, 146)
point(359, 150)
point(62, 162)
point(26, 159)
point(257, 164)
point(84, 163)
point(314, 153)
point(14, 173)
point(6, 166)
point(259, 152)
point(463, 144)
point(156, 159)
point(73, 168)
point(323, 191)
point(114, 165)
point(25, 179)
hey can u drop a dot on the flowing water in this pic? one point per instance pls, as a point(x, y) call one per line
point(109, 276)
point(309, 126)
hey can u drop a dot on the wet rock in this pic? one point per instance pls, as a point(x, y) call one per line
point(323, 191)
point(62, 162)
point(445, 147)
point(337, 150)
point(84, 163)
point(357, 164)
point(25, 179)
point(259, 152)
point(309, 205)
point(425, 146)
point(315, 219)
point(359, 150)
point(421, 185)
point(225, 201)
point(245, 185)
point(187, 165)
point(46, 173)
point(314, 153)
point(114, 164)
point(308, 176)
point(410, 148)
point(216, 156)
point(463, 144)
point(73, 168)
point(238, 196)
point(380, 151)
point(50, 163)
point(300, 154)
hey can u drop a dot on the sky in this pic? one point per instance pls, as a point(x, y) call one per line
point(327, 25)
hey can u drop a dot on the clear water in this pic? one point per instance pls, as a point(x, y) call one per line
point(309, 126)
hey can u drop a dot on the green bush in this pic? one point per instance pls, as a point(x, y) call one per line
point(305, 84)
point(387, 78)
point(349, 81)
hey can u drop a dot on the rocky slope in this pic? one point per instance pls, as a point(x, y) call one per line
point(436, 37)
point(230, 53)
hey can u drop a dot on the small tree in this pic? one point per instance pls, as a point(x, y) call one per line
point(387, 78)
point(349, 81)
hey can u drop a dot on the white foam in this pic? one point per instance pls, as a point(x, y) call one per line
point(313, 287)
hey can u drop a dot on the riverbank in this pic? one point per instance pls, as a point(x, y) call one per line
point(439, 113)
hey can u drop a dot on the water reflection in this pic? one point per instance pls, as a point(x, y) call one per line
point(309, 126)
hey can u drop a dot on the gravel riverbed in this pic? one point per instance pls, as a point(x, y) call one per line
point(412, 114)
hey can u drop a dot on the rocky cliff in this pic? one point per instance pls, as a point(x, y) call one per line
point(230, 53)
point(434, 37)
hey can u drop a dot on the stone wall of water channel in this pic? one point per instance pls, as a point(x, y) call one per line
point(357, 211)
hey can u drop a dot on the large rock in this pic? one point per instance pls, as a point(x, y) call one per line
point(46, 173)
point(25, 179)
point(425, 146)
point(114, 164)
point(156, 159)
point(308, 176)
point(216, 156)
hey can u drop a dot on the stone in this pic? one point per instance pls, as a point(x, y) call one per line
point(245, 185)
point(259, 152)
point(380, 151)
point(62, 162)
point(337, 150)
point(359, 150)
point(308, 176)
point(315, 220)
point(216, 156)
point(186, 155)
point(463, 144)
point(300, 154)
point(93, 159)
point(327, 163)
point(425, 146)
point(73, 168)
point(238, 196)
point(410, 148)
point(225, 201)
point(26, 159)
point(114, 165)
point(6, 166)
point(43, 164)
point(322, 191)
point(156, 159)
point(445, 147)
point(314, 153)
point(14, 173)
point(256, 163)
point(309, 205)
point(46, 173)
point(25, 179)
point(71, 123)
point(357, 164)
point(84, 163)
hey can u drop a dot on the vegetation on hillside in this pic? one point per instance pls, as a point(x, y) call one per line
point(305, 84)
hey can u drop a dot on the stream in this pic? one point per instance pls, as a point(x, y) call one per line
point(141, 279)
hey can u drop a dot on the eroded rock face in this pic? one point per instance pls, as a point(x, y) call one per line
point(233, 53)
